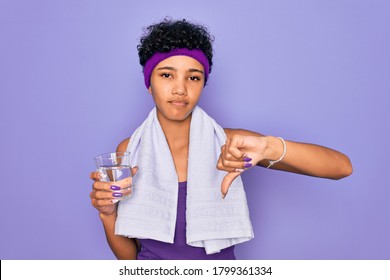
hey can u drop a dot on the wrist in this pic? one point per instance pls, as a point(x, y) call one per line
point(108, 217)
point(276, 150)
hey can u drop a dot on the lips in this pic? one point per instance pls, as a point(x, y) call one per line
point(178, 102)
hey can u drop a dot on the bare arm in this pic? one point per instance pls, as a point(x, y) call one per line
point(307, 159)
point(302, 158)
point(123, 248)
point(101, 198)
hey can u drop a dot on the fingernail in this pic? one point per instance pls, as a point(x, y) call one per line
point(115, 201)
point(247, 159)
point(247, 165)
point(239, 170)
point(223, 196)
point(115, 194)
point(115, 188)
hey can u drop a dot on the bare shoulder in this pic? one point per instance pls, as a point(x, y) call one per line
point(230, 132)
point(123, 145)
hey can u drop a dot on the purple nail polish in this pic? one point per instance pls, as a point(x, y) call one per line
point(247, 159)
point(117, 194)
point(247, 165)
point(115, 188)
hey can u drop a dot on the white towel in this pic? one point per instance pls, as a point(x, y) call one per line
point(212, 222)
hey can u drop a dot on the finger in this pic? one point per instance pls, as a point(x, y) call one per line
point(234, 147)
point(223, 151)
point(224, 159)
point(233, 165)
point(102, 186)
point(226, 151)
point(112, 186)
point(227, 181)
point(97, 203)
point(118, 194)
point(96, 176)
point(230, 166)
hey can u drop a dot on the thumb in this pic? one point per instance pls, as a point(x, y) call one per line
point(134, 170)
point(227, 181)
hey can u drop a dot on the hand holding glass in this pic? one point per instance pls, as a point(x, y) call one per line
point(115, 167)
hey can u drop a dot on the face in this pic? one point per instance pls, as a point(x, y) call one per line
point(176, 84)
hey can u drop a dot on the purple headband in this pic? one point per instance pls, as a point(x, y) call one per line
point(157, 57)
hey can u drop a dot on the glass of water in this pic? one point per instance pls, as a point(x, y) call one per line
point(115, 167)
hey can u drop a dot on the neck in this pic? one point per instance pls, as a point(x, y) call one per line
point(177, 133)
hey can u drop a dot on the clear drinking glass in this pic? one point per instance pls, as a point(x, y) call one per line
point(114, 167)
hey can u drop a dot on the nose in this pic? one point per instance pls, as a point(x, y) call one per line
point(179, 87)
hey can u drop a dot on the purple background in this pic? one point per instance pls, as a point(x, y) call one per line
point(311, 71)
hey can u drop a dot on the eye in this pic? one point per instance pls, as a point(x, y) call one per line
point(194, 78)
point(165, 75)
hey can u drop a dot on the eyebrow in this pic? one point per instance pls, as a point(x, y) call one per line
point(195, 70)
point(174, 69)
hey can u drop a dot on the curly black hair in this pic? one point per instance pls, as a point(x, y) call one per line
point(171, 34)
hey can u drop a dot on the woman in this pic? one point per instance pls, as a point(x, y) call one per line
point(177, 58)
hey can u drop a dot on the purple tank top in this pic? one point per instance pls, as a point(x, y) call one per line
point(179, 250)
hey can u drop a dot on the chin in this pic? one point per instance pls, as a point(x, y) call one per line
point(175, 115)
point(180, 118)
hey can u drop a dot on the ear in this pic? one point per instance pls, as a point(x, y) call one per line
point(150, 89)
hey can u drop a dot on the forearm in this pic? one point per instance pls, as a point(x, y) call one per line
point(123, 248)
point(308, 159)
